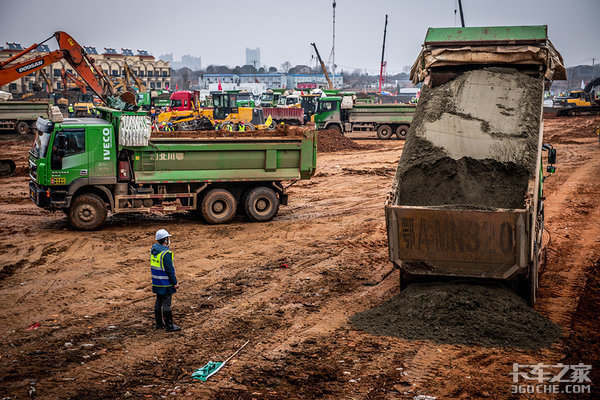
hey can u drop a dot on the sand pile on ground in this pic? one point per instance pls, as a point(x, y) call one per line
point(473, 142)
point(460, 313)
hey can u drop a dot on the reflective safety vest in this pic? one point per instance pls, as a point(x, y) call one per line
point(229, 127)
point(70, 108)
point(242, 128)
point(159, 275)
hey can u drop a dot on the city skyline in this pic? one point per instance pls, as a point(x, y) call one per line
point(285, 35)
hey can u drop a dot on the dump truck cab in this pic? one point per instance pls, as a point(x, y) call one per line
point(70, 155)
point(328, 113)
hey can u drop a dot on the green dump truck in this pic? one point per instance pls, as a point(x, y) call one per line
point(20, 116)
point(91, 166)
point(467, 200)
point(344, 114)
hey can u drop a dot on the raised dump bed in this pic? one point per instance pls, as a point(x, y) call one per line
point(466, 200)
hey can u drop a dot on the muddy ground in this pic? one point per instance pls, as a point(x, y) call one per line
point(76, 312)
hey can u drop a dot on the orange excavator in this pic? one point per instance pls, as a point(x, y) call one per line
point(69, 50)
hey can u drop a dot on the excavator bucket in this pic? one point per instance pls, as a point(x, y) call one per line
point(7, 167)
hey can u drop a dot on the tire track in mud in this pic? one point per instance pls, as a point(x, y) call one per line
point(565, 270)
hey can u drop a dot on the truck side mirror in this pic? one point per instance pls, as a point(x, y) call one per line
point(61, 144)
point(551, 156)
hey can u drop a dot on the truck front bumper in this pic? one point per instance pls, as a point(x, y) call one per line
point(47, 197)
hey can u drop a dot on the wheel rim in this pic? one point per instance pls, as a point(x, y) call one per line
point(262, 205)
point(86, 213)
point(219, 207)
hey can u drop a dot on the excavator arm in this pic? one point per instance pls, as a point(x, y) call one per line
point(69, 50)
point(130, 74)
point(69, 76)
point(14, 72)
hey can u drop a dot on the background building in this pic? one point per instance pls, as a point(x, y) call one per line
point(187, 61)
point(306, 81)
point(253, 57)
point(269, 80)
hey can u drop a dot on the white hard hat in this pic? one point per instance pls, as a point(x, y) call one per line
point(161, 234)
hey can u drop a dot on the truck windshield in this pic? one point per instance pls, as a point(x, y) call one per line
point(291, 100)
point(244, 97)
point(326, 106)
point(40, 145)
point(175, 103)
point(266, 97)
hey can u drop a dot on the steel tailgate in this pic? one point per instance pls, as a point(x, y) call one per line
point(464, 243)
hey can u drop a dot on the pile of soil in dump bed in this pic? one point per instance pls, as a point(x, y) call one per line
point(460, 313)
point(279, 131)
point(428, 176)
point(332, 140)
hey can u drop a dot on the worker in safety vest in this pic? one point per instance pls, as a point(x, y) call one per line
point(153, 113)
point(229, 127)
point(71, 111)
point(242, 127)
point(170, 127)
point(164, 282)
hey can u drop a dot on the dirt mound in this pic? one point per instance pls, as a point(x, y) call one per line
point(460, 313)
point(331, 140)
point(470, 144)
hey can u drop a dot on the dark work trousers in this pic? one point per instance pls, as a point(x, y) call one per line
point(163, 301)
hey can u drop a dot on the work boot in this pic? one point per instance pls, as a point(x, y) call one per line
point(159, 319)
point(170, 326)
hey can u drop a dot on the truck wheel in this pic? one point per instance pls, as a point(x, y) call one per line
point(402, 131)
point(218, 206)
point(384, 132)
point(261, 204)
point(250, 127)
point(87, 212)
point(335, 128)
point(22, 127)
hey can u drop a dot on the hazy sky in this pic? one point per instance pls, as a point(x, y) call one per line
point(219, 31)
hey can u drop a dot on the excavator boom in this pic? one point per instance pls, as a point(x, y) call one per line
point(69, 50)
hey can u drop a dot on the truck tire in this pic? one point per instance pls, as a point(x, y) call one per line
point(261, 204)
point(87, 212)
point(218, 206)
point(22, 127)
point(250, 127)
point(335, 128)
point(402, 131)
point(384, 132)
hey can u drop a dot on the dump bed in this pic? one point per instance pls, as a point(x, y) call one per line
point(24, 110)
point(285, 114)
point(226, 159)
point(465, 199)
point(381, 113)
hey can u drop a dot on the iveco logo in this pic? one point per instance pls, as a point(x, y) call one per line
point(106, 143)
point(30, 66)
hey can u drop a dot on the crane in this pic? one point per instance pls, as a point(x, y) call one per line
point(382, 68)
point(323, 66)
point(70, 51)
